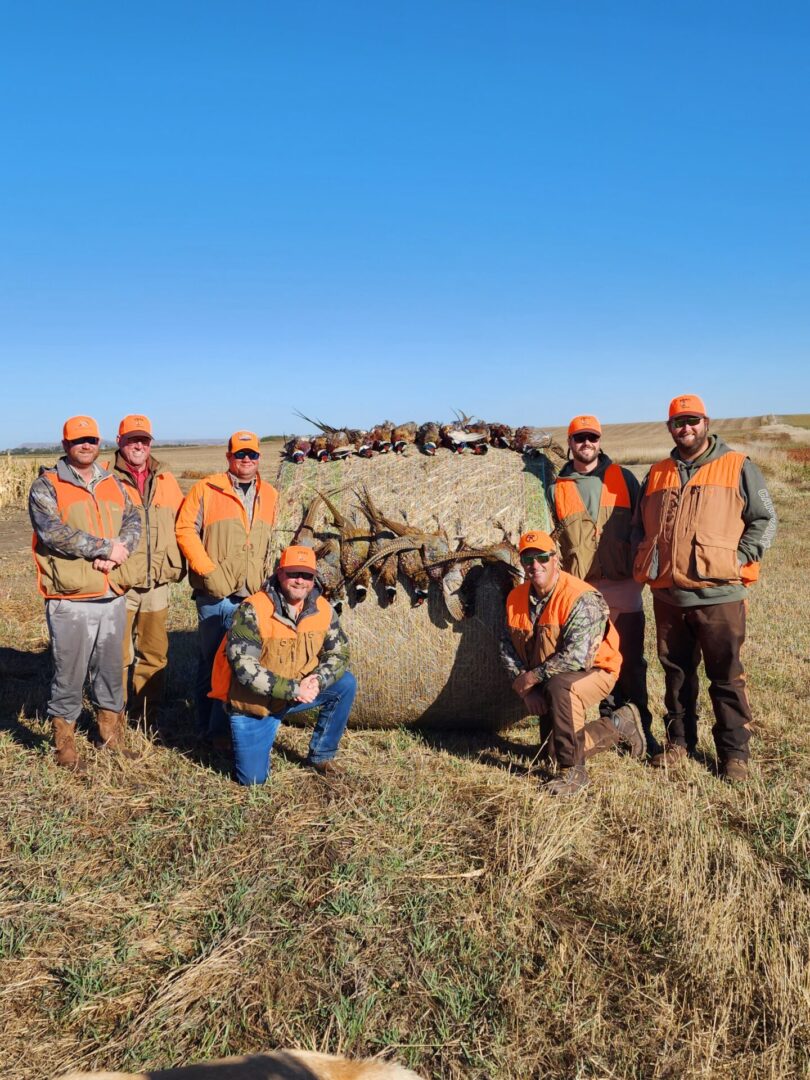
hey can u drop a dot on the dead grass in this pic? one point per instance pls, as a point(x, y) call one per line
point(435, 904)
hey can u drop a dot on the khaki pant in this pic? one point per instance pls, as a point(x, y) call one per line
point(561, 704)
point(146, 649)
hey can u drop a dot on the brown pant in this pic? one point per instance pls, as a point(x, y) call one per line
point(717, 632)
point(561, 704)
point(146, 649)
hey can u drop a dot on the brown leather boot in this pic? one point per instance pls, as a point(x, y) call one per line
point(570, 782)
point(64, 740)
point(111, 726)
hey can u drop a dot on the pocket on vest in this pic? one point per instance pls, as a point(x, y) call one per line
point(715, 560)
point(72, 575)
point(645, 568)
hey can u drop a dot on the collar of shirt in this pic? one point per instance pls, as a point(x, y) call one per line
point(98, 473)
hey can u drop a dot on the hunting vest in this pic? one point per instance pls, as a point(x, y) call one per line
point(592, 550)
point(238, 548)
point(536, 644)
point(157, 559)
point(289, 652)
point(692, 532)
point(98, 512)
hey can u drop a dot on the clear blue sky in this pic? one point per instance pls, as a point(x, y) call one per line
point(216, 213)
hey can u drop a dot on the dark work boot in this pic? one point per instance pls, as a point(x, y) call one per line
point(570, 782)
point(627, 721)
point(64, 740)
point(734, 770)
point(672, 756)
point(111, 726)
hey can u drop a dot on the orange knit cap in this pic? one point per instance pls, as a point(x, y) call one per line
point(687, 405)
point(536, 541)
point(584, 423)
point(80, 427)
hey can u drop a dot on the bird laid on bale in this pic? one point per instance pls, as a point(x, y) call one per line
point(296, 448)
point(355, 541)
point(329, 573)
point(362, 442)
point(531, 440)
point(387, 574)
point(501, 435)
point(305, 533)
point(380, 436)
point(319, 449)
point(453, 580)
point(403, 435)
point(475, 427)
point(428, 437)
point(336, 440)
point(455, 438)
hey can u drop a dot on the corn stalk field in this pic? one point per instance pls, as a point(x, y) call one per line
point(434, 904)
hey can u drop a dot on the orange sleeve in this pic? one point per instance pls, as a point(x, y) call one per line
point(174, 496)
point(189, 522)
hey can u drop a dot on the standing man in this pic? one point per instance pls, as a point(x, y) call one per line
point(84, 527)
point(285, 653)
point(563, 656)
point(705, 519)
point(224, 529)
point(593, 502)
point(156, 562)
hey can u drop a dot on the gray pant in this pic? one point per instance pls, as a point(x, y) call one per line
point(87, 638)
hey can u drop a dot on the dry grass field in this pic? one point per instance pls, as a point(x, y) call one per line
point(434, 905)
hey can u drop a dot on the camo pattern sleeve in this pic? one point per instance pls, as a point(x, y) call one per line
point(334, 656)
point(244, 648)
point(580, 638)
point(130, 532)
point(512, 663)
point(51, 531)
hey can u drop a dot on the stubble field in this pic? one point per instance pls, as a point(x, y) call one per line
point(434, 905)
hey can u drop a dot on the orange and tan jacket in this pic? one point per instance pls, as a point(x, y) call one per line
point(225, 554)
point(157, 559)
point(535, 644)
point(692, 532)
point(99, 513)
point(593, 550)
point(289, 652)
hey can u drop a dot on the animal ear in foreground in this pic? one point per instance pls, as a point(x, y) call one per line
point(280, 1065)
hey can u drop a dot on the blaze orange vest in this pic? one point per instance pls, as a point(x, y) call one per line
point(592, 550)
point(691, 533)
point(538, 643)
point(157, 559)
point(99, 513)
point(289, 653)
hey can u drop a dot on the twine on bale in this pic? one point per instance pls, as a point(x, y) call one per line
point(415, 665)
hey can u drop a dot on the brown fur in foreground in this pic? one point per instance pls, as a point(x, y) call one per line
point(280, 1065)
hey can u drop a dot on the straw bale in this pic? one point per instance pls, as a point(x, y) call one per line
point(414, 664)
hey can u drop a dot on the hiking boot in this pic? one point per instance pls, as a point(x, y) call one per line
point(627, 721)
point(64, 740)
point(111, 727)
point(327, 769)
point(570, 782)
point(734, 770)
point(671, 757)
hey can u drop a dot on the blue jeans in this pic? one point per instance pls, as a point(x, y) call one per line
point(253, 736)
point(214, 619)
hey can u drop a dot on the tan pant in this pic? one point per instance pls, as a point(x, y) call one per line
point(146, 649)
point(561, 705)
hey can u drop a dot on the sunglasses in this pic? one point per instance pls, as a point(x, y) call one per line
point(305, 575)
point(246, 455)
point(528, 557)
point(87, 439)
point(585, 436)
point(685, 421)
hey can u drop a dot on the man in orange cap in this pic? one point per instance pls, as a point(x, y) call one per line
point(562, 653)
point(593, 501)
point(704, 520)
point(85, 527)
point(224, 529)
point(285, 653)
point(155, 563)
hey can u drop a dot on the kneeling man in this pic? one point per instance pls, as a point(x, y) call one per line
point(562, 652)
point(284, 653)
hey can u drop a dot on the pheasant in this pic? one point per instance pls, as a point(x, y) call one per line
point(354, 549)
point(387, 573)
point(403, 435)
point(381, 436)
point(531, 440)
point(297, 448)
point(501, 435)
point(428, 437)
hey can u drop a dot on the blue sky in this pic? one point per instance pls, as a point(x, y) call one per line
point(218, 213)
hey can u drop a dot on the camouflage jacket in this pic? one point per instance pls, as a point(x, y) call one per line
point(56, 535)
point(580, 637)
point(244, 648)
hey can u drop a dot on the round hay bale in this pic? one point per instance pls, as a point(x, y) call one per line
point(415, 665)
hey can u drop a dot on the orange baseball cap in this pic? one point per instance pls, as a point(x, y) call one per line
point(135, 424)
point(536, 541)
point(243, 440)
point(297, 557)
point(584, 423)
point(687, 405)
point(80, 427)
